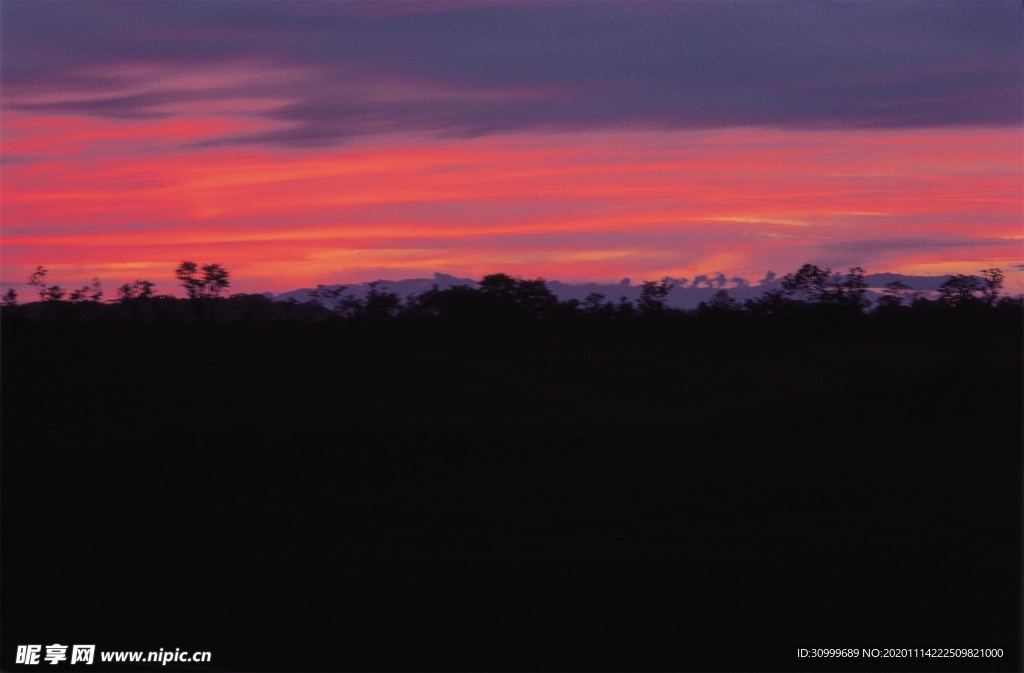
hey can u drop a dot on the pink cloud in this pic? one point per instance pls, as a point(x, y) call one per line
point(94, 197)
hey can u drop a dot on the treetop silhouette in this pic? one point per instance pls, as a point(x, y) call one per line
point(208, 285)
point(502, 300)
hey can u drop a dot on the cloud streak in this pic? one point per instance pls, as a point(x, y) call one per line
point(585, 206)
point(469, 70)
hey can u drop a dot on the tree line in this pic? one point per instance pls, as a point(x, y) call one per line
point(501, 297)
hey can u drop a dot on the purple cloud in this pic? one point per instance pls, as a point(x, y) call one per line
point(475, 69)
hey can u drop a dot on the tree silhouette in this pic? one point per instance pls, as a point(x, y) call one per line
point(653, 295)
point(505, 301)
point(855, 287)
point(92, 292)
point(535, 297)
point(209, 285)
point(720, 302)
point(846, 290)
point(993, 285)
point(961, 290)
point(215, 279)
point(809, 283)
point(187, 275)
point(54, 293)
point(625, 309)
point(500, 286)
point(379, 302)
point(595, 303)
point(512, 297)
point(140, 289)
point(771, 302)
point(894, 293)
point(38, 281)
point(813, 284)
point(329, 298)
point(459, 303)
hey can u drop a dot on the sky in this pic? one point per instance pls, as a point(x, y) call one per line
point(299, 143)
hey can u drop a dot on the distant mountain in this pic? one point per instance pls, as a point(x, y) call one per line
point(686, 294)
point(403, 288)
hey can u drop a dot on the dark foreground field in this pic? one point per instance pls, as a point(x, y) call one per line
point(305, 498)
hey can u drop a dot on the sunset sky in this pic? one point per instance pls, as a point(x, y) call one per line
point(299, 143)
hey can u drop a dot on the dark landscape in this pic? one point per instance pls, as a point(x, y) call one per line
point(660, 336)
point(527, 485)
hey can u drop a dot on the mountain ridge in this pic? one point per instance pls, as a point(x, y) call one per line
point(685, 294)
